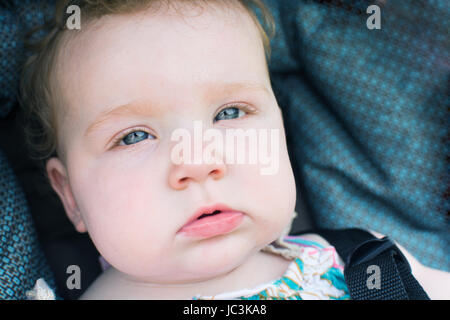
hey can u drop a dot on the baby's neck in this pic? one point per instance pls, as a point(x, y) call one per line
point(260, 268)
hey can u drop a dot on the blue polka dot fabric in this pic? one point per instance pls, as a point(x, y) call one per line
point(367, 116)
point(22, 261)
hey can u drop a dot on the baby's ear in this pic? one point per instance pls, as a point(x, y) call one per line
point(59, 180)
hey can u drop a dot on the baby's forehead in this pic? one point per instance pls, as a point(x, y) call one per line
point(196, 16)
point(171, 44)
point(119, 59)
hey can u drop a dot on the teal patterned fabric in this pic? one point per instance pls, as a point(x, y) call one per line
point(22, 261)
point(366, 114)
point(16, 18)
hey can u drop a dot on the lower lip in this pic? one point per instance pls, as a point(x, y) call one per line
point(218, 224)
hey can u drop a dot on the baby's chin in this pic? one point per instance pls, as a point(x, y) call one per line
point(181, 276)
point(195, 272)
point(205, 260)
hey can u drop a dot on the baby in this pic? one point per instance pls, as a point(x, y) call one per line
point(109, 98)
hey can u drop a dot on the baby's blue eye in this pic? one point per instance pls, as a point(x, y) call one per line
point(135, 137)
point(229, 113)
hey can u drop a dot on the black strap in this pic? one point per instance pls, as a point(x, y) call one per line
point(375, 269)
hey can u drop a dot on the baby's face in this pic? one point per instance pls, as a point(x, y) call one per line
point(160, 73)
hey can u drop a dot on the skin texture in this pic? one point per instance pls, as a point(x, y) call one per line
point(133, 199)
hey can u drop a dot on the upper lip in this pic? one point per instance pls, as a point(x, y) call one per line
point(209, 209)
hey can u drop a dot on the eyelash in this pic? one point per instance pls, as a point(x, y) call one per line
point(122, 136)
point(247, 109)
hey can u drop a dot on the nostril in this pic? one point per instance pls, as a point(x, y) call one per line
point(182, 180)
point(216, 172)
point(183, 175)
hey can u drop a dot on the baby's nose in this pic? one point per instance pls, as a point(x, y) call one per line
point(183, 174)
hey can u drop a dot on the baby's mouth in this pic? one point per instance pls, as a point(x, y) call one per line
point(211, 221)
point(209, 214)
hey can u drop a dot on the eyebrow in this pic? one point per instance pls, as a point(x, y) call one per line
point(147, 109)
point(129, 109)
